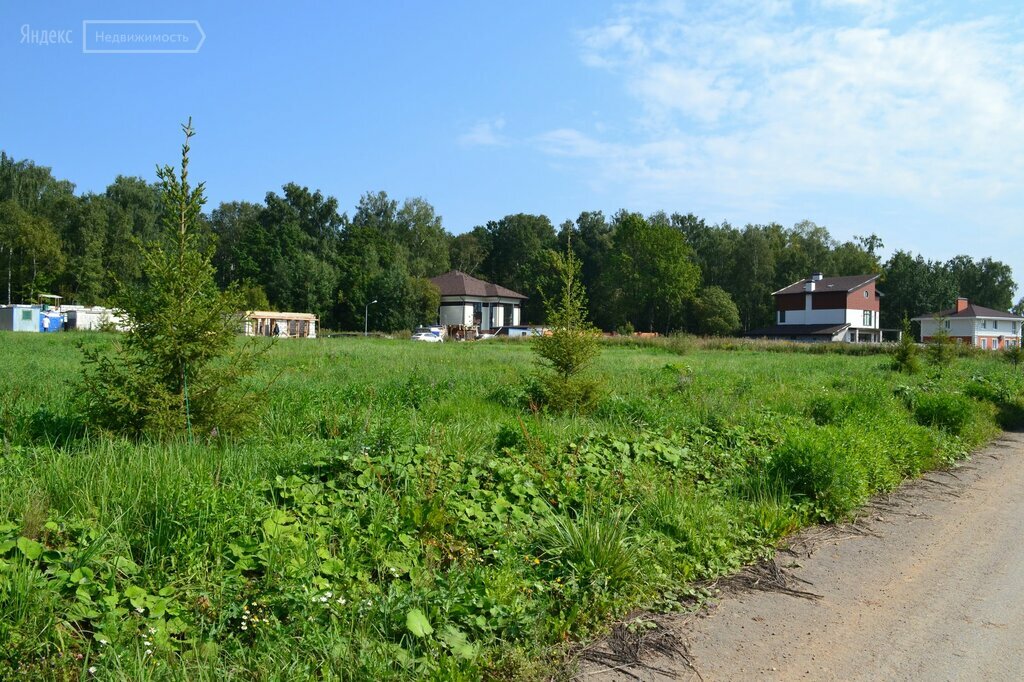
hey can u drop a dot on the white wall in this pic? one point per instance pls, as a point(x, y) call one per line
point(494, 314)
point(972, 327)
point(856, 318)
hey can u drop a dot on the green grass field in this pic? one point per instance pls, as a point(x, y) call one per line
point(401, 513)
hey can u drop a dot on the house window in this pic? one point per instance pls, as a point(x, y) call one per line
point(509, 319)
point(867, 318)
point(947, 324)
point(865, 294)
point(984, 343)
point(477, 313)
point(26, 315)
point(995, 324)
point(984, 324)
point(782, 317)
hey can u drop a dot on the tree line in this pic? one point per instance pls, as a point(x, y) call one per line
point(298, 251)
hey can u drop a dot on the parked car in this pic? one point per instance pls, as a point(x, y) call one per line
point(426, 336)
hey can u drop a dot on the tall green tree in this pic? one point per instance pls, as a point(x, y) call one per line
point(468, 251)
point(519, 257)
point(177, 368)
point(86, 278)
point(651, 272)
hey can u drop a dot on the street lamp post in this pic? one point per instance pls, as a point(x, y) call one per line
point(366, 318)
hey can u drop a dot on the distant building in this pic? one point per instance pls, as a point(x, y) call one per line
point(92, 318)
point(281, 325)
point(470, 302)
point(20, 318)
point(822, 308)
point(974, 324)
point(30, 318)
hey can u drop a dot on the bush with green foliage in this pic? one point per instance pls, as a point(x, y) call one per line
point(904, 355)
point(941, 349)
point(178, 367)
point(715, 313)
point(593, 548)
point(1014, 354)
point(950, 412)
point(570, 343)
point(814, 468)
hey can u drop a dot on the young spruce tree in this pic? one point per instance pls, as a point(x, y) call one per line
point(941, 348)
point(571, 343)
point(904, 355)
point(178, 368)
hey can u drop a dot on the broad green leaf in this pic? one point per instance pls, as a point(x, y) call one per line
point(457, 642)
point(30, 548)
point(417, 623)
point(332, 567)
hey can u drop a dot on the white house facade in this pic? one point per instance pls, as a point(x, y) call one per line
point(470, 302)
point(976, 325)
point(818, 308)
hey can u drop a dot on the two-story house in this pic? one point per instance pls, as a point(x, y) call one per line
point(822, 308)
point(974, 324)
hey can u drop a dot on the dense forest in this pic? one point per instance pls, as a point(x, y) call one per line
point(298, 251)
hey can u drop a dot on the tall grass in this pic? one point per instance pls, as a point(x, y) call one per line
point(400, 476)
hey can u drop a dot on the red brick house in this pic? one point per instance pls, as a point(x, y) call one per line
point(975, 325)
point(822, 308)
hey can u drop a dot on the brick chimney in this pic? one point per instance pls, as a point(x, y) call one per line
point(961, 304)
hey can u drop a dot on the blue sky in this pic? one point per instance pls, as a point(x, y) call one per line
point(900, 118)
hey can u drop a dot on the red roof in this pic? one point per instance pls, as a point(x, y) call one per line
point(972, 310)
point(457, 283)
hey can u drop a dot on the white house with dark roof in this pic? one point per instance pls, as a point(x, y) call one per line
point(822, 308)
point(470, 302)
point(974, 324)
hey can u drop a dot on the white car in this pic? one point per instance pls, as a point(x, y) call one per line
point(426, 336)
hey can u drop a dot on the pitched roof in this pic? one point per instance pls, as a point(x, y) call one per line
point(972, 310)
point(799, 330)
point(457, 283)
point(848, 283)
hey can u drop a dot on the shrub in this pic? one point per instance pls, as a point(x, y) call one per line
point(178, 367)
point(812, 465)
point(941, 349)
point(1014, 354)
point(716, 313)
point(594, 548)
point(904, 355)
point(572, 342)
point(948, 411)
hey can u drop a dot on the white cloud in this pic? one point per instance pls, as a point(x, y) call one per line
point(752, 103)
point(484, 134)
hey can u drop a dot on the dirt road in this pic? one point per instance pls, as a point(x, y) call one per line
point(929, 586)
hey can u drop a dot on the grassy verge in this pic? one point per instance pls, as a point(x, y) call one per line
point(399, 514)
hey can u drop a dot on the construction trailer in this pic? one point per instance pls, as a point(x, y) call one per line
point(19, 318)
point(280, 324)
point(93, 318)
